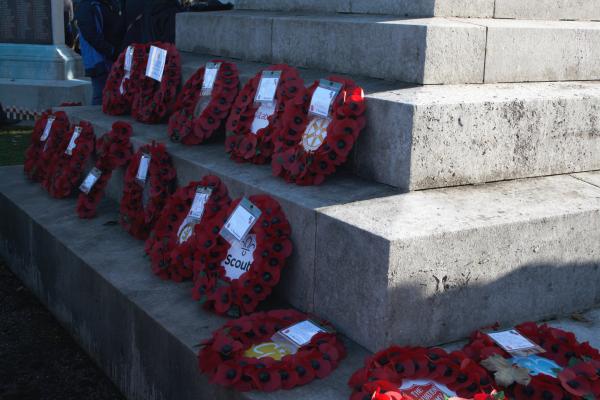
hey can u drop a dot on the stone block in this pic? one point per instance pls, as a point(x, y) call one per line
point(39, 62)
point(548, 9)
point(40, 95)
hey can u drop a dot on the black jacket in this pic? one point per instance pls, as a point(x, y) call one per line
point(108, 41)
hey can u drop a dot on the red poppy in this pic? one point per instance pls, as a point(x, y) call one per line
point(119, 90)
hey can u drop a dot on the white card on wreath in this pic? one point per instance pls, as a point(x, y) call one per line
point(90, 180)
point(128, 59)
point(72, 142)
point(142, 172)
point(261, 117)
point(199, 203)
point(239, 257)
point(301, 333)
point(267, 87)
point(241, 220)
point(156, 63)
point(210, 76)
point(47, 129)
point(514, 343)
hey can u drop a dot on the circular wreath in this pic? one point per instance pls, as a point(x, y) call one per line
point(581, 362)
point(235, 297)
point(139, 219)
point(387, 369)
point(153, 101)
point(189, 128)
point(38, 156)
point(298, 165)
point(67, 173)
point(171, 259)
point(113, 150)
point(241, 143)
point(114, 101)
point(222, 356)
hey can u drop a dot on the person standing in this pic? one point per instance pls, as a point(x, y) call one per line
point(101, 32)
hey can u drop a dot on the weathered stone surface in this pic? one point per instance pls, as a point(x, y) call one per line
point(39, 95)
point(548, 9)
point(39, 62)
point(589, 177)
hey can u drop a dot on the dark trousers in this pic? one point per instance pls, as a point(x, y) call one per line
point(98, 83)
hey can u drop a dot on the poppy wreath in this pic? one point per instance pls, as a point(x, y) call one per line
point(222, 356)
point(386, 370)
point(241, 296)
point(139, 219)
point(292, 161)
point(241, 143)
point(580, 378)
point(113, 101)
point(113, 150)
point(39, 155)
point(191, 129)
point(67, 173)
point(153, 101)
point(171, 259)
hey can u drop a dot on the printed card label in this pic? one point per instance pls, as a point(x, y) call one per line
point(514, 343)
point(199, 203)
point(156, 63)
point(323, 97)
point(240, 257)
point(128, 59)
point(267, 87)
point(270, 349)
point(210, 76)
point(261, 117)
point(240, 221)
point(72, 142)
point(47, 129)
point(90, 180)
point(315, 134)
point(419, 389)
point(301, 333)
point(538, 365)
point(142, 172)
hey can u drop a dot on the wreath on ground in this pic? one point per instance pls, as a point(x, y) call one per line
point(39, 154)
point(579, 378)
point(242, 144)
point(113, 150)
point(139, 216)
point(223, 356)
point(197, 119)
point(171, 250)
point(306, 158)
point(120, 90)
point(270, 237)
point(387, 370)
point(73, 156)
point(153, 100)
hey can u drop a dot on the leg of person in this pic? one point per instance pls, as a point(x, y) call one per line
point(98, 83)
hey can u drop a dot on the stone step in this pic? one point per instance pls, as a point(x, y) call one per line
point(91, 276)
point(585, 10)
point(449, 135)
point(422, 51)
point(394, 257)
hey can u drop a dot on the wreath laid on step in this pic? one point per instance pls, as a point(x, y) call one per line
point(172, 244)
point(138, 214)
point(387, 370)
point(73, 155)
point(308, 149)
point(241, 143)
point(153, 100)
point(580, 363)
point(266, 248)
point(120, 90)
point(199, 117)
point(45, 144)
point(223, 356)
point(113, 150)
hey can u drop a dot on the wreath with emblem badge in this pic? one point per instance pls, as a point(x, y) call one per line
point(199, 117)
point(265, 249)
point(143, 202)
point(241, 143)
point(224, 357)
point(309, 149)
point(40, 153)
point(172, 244)
point(119, 91)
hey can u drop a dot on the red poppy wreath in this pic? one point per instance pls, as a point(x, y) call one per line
point(233, 278)
point(113, 150)
point(171, 245)
point(566, 370)
point(199, 117)
point(46, 138)
point(309, 148)
point(121, 85)
point(149, 181)
point(250, 127)
point(73, 155)
point(242, 355)
point(155, 99)
point(414, 370)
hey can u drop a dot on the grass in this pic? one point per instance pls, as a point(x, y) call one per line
point(14, 140)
